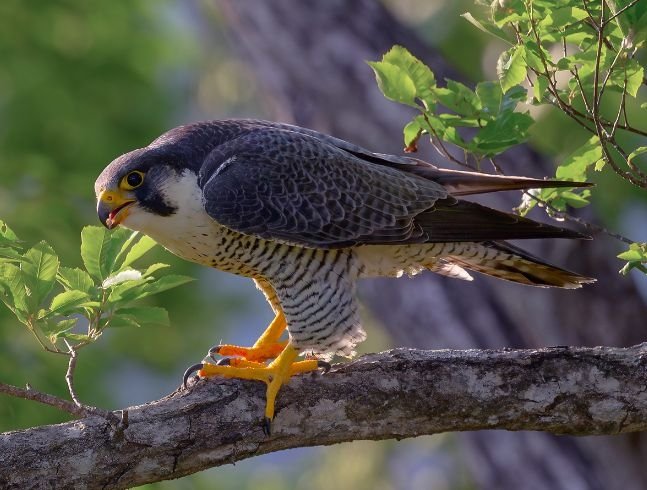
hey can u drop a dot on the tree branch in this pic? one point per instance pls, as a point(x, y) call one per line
point(396, 394)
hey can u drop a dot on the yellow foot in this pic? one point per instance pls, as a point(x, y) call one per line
point(275, 375)
point(258, 353)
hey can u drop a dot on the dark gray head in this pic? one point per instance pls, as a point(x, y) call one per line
point(138, 181)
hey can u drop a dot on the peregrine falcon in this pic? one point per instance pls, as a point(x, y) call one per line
point(305, 215)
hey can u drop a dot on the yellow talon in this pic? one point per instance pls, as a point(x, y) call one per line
point(259, 354)
point(266, 347)
point(275, 375)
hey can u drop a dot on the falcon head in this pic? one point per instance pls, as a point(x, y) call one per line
point(136, 187)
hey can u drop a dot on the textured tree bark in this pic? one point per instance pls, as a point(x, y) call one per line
point(309, 56)
point(396, 394)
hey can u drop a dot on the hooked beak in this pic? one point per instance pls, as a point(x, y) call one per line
point(112, 208)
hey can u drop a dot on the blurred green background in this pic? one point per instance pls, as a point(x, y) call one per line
point(82, 81)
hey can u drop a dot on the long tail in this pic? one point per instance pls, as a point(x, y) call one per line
point(461, 183)
point(505, 261)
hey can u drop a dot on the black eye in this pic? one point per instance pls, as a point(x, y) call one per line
point(134, 179)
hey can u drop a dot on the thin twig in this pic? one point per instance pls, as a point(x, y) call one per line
point(593, 228)
point(621, 11)
point(44, 398)
point(69, 375)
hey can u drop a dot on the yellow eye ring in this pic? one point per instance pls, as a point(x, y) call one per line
point(133, 180)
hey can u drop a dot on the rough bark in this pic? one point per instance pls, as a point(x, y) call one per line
point(310, 59)
point(396, 394)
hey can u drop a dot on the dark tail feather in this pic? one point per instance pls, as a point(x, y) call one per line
point(514, 264)
point(460, 183)
point(452, 220)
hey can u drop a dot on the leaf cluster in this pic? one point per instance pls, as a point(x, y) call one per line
point(578, 56)
point(482, 121)
point(67, 308)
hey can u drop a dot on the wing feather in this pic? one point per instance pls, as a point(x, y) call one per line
point(283, 185)
point(292, 186)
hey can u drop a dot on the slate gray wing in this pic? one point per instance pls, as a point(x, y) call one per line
point(282, 185)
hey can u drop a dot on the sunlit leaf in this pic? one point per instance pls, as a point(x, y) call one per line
point(11, 278)
point(75, 279)
point(394, 82)
point(137, 251)
point(459, 98)
point(100, 248)
point(486, 27)
point(121, 321)
point(153, 268)
point(420, 74)
point(576, 165)
point(7, 237)
point(55, 328)
point(511, 68)
point(39, 267)
point(562, 17)
point(68, 301)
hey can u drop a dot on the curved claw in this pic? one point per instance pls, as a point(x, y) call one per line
point(213, 352)
point(324, 366)
point(267, 426)
point(187, 374)
point(225, 361)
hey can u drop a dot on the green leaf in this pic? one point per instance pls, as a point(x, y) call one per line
point(147, 315)
point(459, 98)
point(420, 74)
point(75, 279)
point(635, 256)
point(634, 73)
point(511, 68)
point(77, 337)
point(120, 321)
point(491, 96)
point(412, 131)
point(39, 268)
point(130, 291)
point(68, 301)
point(7, 237)
point(486, 27)
point(507, 130)
point(575, 200)
point(638, 151)
point(138, 250)
point(576, 165)
point(562, 17)
point(100, 248)
point(539, 89)
point(10, 254)
point(394, 83)
point(11, 278)
point(154, 268)
point(54, 329)
point(533, 55)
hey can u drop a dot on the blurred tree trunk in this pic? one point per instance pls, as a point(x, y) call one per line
point(310, 58)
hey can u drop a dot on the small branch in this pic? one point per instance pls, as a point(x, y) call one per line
point(622, 10)
point(44, 398)
point(396, 394)
point(69, 375)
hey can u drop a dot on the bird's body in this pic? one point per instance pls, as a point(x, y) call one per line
point(306, 215)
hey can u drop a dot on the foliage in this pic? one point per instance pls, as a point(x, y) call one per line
point(578, 56)
point(67, 308)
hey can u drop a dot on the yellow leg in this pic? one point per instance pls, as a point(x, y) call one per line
point(275, 375)
point(266, 347)
point(296, 367)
